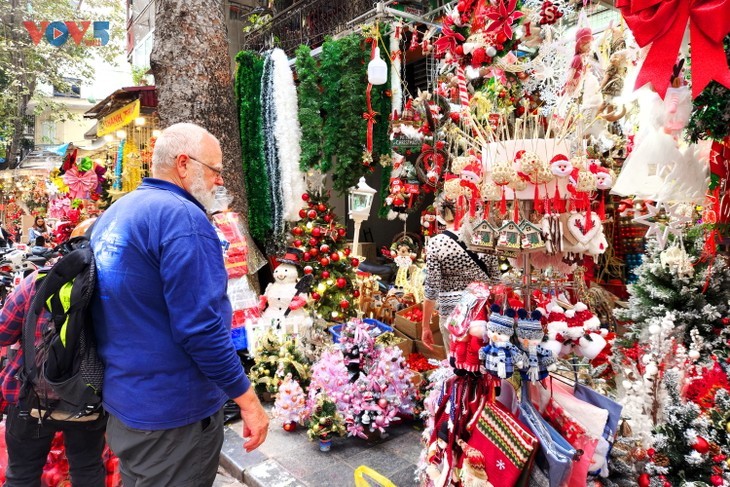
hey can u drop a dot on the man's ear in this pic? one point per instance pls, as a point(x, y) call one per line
point(181, 165)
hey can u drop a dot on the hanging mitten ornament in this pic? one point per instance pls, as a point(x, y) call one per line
point(529, 338)
point(501, 356)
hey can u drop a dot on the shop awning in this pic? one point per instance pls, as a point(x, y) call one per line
point(147, 96)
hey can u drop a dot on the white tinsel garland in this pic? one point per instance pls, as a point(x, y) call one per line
point(271, 151)
point(287, 134)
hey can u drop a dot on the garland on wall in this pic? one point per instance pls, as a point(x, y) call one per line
point(344, 79)
point(288, 136)
point(310, 117)
point(248, 95)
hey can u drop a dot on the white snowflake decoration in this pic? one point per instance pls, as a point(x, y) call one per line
point(501, 465)
point(549, 75)
point(677, 221)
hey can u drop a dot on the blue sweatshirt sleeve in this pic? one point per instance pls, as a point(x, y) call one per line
point(194, 286)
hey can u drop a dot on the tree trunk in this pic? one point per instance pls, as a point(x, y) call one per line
point(22, 91)
point(194, 82)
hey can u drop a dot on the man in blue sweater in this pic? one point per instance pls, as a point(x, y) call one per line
point(162, 320)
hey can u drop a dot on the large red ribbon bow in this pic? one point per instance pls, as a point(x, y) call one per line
point(663, 22)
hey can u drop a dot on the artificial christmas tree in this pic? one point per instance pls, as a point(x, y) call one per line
point(289, 407)
point(274, 361)
point(326, 257)
point(325, 422)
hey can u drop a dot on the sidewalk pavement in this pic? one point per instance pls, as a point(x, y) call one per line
point(289, 459)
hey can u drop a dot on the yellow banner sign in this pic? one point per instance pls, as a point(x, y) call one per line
point(118, 119)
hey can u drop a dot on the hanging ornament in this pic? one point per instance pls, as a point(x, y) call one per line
point(377, 69)
point(701, 445)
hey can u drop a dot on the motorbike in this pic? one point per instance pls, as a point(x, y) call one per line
point(15, 264)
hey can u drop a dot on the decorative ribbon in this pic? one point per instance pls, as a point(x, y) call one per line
point(80, 184)
point(370, 114)
point(662, 23)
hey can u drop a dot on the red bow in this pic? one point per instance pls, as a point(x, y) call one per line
point(662, 23)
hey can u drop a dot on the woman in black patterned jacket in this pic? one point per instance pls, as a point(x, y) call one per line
point(449, 271)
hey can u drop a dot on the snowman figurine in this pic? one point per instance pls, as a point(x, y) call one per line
point(540, 361)
point(283, 304)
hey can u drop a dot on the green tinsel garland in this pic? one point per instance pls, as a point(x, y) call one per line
point(310, 118)
point(248, 96)
point(382, 103)
point(711, 110)
point(344, 80)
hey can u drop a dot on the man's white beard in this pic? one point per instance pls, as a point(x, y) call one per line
point(204, 197)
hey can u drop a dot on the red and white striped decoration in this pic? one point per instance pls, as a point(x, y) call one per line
point(463, 93)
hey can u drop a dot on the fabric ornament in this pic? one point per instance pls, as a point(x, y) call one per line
point(471, 177)
point(500, 355)
point(663, 23)
point(529, 339)
point(557, 328)
point(592, 343)
point(503, 173)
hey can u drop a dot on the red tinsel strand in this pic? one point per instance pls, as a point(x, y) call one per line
point(601, 207)
point(503, 203)
point(516, 210)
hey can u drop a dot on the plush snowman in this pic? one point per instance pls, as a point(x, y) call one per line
point(281, 296)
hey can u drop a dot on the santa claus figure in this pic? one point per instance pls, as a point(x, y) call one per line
point(561, 166)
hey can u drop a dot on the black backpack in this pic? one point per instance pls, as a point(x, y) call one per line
point(62, 374)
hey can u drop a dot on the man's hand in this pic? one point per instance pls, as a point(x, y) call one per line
point(255, 419)
point(427, 337)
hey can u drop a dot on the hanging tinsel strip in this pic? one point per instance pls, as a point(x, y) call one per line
point(288, 135)
point(310, 117)
point(271, 153)
point(118, 166)
point(248, 96)
point(344, 80)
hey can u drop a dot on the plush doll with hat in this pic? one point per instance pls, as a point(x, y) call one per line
point(540, 361)
point(501, 356)
point(592, 343)
point(465, 350)
point(574, 332)
point(471, 180)
point(557, 328)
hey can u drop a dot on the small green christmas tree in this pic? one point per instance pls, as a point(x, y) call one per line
point(325, 422)
point(326, 257)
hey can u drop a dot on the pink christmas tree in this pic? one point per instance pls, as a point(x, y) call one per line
point(290, 404)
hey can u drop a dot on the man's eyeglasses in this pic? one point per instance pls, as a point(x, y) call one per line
point(218, 172)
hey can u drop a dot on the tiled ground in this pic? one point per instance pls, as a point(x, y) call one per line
point(289, 459)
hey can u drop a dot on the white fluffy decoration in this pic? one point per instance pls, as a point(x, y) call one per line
point(288, 135)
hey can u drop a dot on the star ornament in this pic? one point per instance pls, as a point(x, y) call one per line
point(663, 220)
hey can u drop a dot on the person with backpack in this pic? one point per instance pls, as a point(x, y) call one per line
point(162, 320)
point(32, 417)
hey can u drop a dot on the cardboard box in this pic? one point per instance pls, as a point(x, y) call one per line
point(411, 328)
point(407, 345)
point(439, 350)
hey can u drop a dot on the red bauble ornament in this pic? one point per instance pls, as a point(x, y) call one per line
point(344, 304)
point(305, 197)
point(306, 257)
point(383, 403)
point(321, 207)
point(316, 231)
point(701, 445)
point(355, 262)
point(341, 232)
point(341, 282)
point(324, 248)
point(356, 293)
point(312, 214)
point(325, 274)
point(716, 480)
point(297, 243)
point(316, 296)
point(313, 252)
point(308, 269)
point(302, 213)
point(347, 251)
point(313, 242)
point(328, 218)
point(290, 426)
point(334, 256)
point(644, 480)
point(324, 262)
point(297, 231)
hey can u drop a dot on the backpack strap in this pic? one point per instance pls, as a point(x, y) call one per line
point(472, 255)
